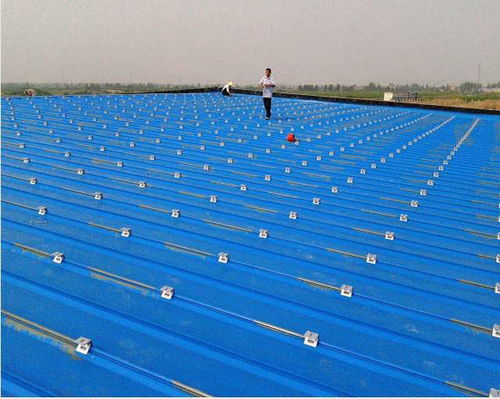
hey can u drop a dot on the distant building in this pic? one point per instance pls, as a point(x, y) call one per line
point(490, 90)
point(400, 97)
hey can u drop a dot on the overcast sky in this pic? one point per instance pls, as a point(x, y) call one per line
point(210, 41)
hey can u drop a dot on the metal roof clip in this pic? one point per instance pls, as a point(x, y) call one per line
point(206, 167)
point(102, 148)
point(177, 175)
point(263, 233)
point(57, 257)
point(213, 198)
point(497, 288)
point(230, 160)
point(26, 160)
point(243, 187)
point(33, 180)
point(346, 290)
point(98, 196)
point(371, 258)
point(350, 180)
point(389, 235)
point(151, 157)
point(80, 171)
point(83, 345)
point(288, 170)
point(414, 204)
point(362, 171)
point(67, 154)
point(495, 332)
point(293, 215)
point(223, 257)
point(335, 189)
point(167, 292)
point(175, 213)
point(119, 164)
point(42, 210)
point(373, 165)
point(423, 192)
point(125, 232)
point(142, 184)
point(304, 163)
point(316, 201)
point(311, 339)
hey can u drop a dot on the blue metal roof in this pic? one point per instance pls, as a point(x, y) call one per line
point(201, 252)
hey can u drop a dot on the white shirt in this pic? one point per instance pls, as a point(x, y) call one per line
point(267, 91)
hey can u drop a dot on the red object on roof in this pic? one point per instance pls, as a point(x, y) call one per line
point(291, 138)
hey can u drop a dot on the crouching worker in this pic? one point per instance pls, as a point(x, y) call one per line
point(226, 90)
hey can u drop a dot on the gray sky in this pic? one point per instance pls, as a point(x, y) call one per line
point(210, 41)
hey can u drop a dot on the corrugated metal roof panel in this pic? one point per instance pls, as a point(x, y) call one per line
point(201, 252)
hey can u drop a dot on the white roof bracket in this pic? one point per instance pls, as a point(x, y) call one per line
point(311, 339)
point(125, 232)
point(346, 290)
point(167, 292)
point(83, 345)
point(223, 257)
point(58, 257)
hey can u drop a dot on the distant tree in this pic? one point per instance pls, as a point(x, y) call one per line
point(469, 86)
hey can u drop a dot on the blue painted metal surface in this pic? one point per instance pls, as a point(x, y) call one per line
point(260, 240)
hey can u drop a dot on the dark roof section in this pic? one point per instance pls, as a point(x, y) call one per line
point(367, 101)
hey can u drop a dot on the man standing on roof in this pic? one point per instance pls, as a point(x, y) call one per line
point(268, 84)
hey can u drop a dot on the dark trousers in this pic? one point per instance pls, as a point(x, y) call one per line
point(267, 106)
